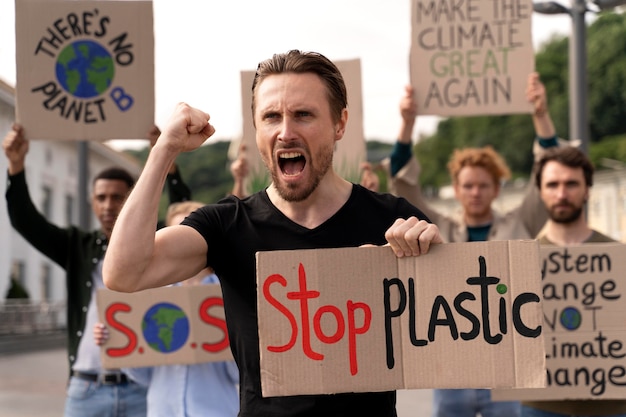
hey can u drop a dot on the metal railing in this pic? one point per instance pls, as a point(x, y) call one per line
point(26, 317)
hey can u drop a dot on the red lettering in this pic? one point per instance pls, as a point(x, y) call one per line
point(341, 327)
point(111, 321)
point(214, 321)
point(303, 295)
point(353, 330)
point(280, 307)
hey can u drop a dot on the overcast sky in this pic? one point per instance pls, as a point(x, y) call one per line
point(202, 45)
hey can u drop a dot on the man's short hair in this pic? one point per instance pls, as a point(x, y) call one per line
point(183, 207)
point(569, 156)
point(299, 62)
point(485, 157)
point(115, 173)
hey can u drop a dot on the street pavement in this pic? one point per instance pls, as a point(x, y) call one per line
point(33, 385)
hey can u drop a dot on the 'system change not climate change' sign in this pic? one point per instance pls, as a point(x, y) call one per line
point(360, 319)
point(85, 69)
point(584, 324)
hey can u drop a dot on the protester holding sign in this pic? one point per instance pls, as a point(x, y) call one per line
point(91, 390)
point(202, 389)
point(564, 177)
point(476, 175)
point(300, 111)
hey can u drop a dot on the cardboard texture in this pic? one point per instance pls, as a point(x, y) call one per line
point(471, 57)
point(584, 326)
point(164, 326)
point(361, 319)
point(85, 69)
point(350, 151)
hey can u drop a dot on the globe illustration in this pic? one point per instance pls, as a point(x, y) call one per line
point(571, 318)
point(165, 327)
point(85, 69)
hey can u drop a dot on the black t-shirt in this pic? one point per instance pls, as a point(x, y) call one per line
point(234, 231)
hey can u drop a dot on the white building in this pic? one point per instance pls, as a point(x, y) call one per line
point(52, 175)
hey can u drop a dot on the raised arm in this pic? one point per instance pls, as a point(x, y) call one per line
point(403, 165)
point(15, 148)
point(239, 170)
point(532, 211)
point(137, 257)
point(408, 111)
point(536, 94)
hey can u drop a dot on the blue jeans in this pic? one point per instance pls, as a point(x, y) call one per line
point(533, 412)
point(92, 399)
point(470, 402)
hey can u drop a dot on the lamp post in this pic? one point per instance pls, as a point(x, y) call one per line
point(578, 111)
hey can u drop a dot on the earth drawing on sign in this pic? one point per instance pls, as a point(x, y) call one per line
point(165, 327)
point(85, 69)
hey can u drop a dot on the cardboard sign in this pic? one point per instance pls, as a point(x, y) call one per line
point(350, 151)
point(85, 69)
point(471, 57)
point(466, 315)
point(584, 324)
point(164, 326)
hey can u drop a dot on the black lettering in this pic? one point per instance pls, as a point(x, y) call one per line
point(550, 323)
point(502, 316)
point(122, 54)
point(87, 17)
point(616, 375)
point(75, 109)
point(596, 379)
point(485, 281)
point(54, 42)
point(452, 93)
point(412, 317)
point(433, 93)
point(61, 28)
point(458, 301)
point(390, 314)
point(614, 349)
point(72, 20)
point(99, 103)
point(607, 287)
point(59, 104)
point(593, 315)
point(587, 292)
point(520, 300)
point(441, 303)
point(103, 27)
point(599, 377)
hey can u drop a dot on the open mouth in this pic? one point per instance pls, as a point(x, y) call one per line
point(291, 163)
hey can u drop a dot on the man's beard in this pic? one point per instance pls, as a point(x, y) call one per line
point(566, 217)
point(324, 161)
